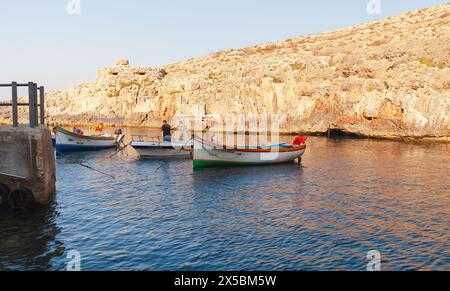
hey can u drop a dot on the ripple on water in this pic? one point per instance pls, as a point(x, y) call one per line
point(348, 197)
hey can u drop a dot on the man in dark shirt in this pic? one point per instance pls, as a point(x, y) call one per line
point(166, 131)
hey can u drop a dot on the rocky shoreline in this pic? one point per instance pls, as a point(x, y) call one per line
point(333, 133)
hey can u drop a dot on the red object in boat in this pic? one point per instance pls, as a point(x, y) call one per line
point(300, 140)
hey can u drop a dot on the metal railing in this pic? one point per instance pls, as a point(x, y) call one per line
point(33, 92)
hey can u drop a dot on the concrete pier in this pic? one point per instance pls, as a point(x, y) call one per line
point(27, 159)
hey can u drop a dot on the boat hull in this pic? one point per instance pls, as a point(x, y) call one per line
point(163, 150)
point(208, 155)
point(70, 149)
point(68, 142)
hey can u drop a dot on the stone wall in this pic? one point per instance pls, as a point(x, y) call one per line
point(122, 75)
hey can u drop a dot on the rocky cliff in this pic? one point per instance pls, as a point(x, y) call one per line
point(389, 78)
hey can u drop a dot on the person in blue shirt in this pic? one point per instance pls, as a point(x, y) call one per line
point(77, 131)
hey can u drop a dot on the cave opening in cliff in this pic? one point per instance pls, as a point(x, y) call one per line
point(339, 133)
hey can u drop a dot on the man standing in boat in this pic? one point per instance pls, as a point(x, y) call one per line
point(166, 131)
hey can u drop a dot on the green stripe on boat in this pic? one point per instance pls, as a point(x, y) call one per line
point(214, 164)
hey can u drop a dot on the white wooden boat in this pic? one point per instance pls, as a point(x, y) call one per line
point(67, 141)
point(163, 149)
point(207, 154)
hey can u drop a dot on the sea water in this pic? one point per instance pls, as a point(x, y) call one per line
point(347, 198)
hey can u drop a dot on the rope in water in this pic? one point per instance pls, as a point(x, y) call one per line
point(87, 166)
point(84, 165)
point(109, 157)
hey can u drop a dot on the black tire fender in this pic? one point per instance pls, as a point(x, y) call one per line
point(20, 198)
point(4, 193)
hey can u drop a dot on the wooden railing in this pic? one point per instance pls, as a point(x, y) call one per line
point(34, 93)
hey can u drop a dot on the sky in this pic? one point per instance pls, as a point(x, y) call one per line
point(59, 44)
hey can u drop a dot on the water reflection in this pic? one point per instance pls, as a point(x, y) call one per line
point(28, 239)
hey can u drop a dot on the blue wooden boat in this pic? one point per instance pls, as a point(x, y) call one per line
point(66, 141)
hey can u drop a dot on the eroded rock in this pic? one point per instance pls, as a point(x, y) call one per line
point(389, 78)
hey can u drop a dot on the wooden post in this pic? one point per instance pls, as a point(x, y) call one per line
point(36, 116)
point(15, 115)
point(32, 103)
point(42, 104)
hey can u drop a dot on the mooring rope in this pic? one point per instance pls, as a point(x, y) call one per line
point(118, 151)
point(86, 166)
point(82, 164)
point(106, 174)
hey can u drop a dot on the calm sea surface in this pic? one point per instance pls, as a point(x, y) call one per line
point(349, 197)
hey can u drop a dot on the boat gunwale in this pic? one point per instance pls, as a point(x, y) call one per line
point(66, 132)
point(269, 150)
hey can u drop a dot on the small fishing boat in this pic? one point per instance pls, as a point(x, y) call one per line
point(67, 141)
point(163, 149)
point(207, 154)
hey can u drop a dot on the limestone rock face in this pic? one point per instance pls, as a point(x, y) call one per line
point(389, 78)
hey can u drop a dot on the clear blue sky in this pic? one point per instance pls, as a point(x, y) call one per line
point(40, 41)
